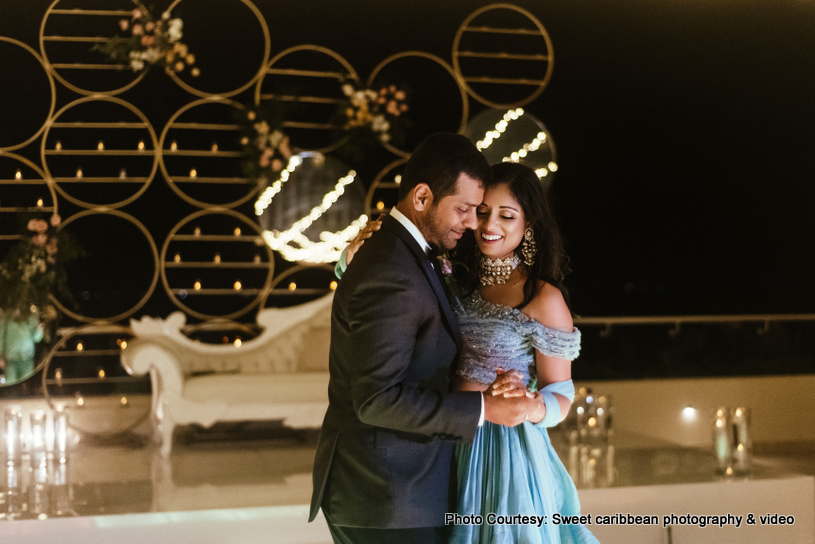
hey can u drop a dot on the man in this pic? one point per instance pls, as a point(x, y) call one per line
point(382, 468)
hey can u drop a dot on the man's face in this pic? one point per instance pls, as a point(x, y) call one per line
point(448, 219)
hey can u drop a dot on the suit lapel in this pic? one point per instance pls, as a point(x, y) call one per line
point(430, 272)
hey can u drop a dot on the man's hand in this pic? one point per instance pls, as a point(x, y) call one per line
point(354, 245)
point(509, 411)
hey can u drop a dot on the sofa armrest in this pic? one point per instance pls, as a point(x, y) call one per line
point(147, 356)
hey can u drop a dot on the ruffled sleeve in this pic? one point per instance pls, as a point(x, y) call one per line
point(556, 343)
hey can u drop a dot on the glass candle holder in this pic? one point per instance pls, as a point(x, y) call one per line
point(742, 439)
point(37, 441)
point(13, 427)
point(722, 441)
point(60, 432)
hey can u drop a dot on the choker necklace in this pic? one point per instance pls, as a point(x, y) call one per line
point(496, 271)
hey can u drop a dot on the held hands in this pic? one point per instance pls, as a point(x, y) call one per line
point(359, 239)
point(507, 401)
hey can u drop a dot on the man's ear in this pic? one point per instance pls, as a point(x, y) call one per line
point(422, 197)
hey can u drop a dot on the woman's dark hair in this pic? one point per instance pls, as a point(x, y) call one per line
point(551, 262)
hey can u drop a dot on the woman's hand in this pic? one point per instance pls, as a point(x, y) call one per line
point(508, 384)
point(360, 238)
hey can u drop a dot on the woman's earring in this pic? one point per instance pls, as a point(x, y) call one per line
point(529, 248)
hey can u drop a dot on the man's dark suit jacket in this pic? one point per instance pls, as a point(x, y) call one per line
point(385, 450)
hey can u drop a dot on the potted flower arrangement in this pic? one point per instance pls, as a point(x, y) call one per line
point(33, 271)
point(378, 112)
point(150, 42)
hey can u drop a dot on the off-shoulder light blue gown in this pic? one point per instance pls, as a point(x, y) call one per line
point(511, 470)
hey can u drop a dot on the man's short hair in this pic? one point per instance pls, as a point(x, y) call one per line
point(439, 160)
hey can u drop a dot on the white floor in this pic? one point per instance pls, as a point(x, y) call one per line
point(251, 484)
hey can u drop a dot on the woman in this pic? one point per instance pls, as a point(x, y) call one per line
point(513, 316)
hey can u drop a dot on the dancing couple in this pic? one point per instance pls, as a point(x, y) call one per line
point(445, 377)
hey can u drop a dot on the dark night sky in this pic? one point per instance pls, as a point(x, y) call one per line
point(684, 133)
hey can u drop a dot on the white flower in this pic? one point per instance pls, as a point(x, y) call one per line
point(275, 138)
point(380, 124)
point(134, 54)
point(136, 65)
point(151, 55)
point(262, 127)
point(165, 15)
point(347, 89)
point(358, 99)
point(174, 34)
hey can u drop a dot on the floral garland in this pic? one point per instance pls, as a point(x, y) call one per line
point(151, 43)
point(379, 112)
point(34, 269)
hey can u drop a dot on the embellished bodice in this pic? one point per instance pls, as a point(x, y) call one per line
point(496, 335)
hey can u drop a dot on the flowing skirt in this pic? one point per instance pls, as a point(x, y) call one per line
point(515, 470)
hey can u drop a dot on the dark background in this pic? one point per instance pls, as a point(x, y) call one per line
point(684, 133)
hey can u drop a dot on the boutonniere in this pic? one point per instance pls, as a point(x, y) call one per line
point(446, 265)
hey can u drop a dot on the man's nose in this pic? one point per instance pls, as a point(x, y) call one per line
point(471, 220)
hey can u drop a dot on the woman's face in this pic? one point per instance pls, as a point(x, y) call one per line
point(501, 223)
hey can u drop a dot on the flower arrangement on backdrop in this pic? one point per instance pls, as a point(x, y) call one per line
point(34, 269)
point(380, 113)
point(150, 42)
point(265, 146)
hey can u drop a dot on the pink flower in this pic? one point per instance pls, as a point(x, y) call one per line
point(400, 95)
point(149, 26)
point(138, 30)
point(55, 220)
point(277, 164)
point(403, 108)
point(51, 248)
point(392, 88)
point(381, 100)
point(37, 225)
point(392, 108)
point(40, 239)
point(136, 14)
point(147, 41)
point(383, 91)
point(124, 24)
point(266, 157)
point(284, 148)
point(446, 266)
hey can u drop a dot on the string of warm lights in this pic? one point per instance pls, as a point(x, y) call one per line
point(326, 251)
point(266, 197)
point(500, 127)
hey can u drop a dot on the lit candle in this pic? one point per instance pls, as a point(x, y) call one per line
point(214, 147)
point(79, 346)
point(100, 146)
point(217, 258)
point(237, 286)
point(292, 286)
point(58, 376)
point(122, 174)
point(238, 342)
point(58, 146)
point(257, 259)
point(123, 402)
point(197, 231)
point(380, 205)
point(237, 231)
point(79, 173)
point(177, 258)
point(333, 285)
point(174, 146)
point(18, 175)
point(197, 286)
point(141, 145)
point(193, 173)
point(39, 203)
point(101, 374)
point(398, 180)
